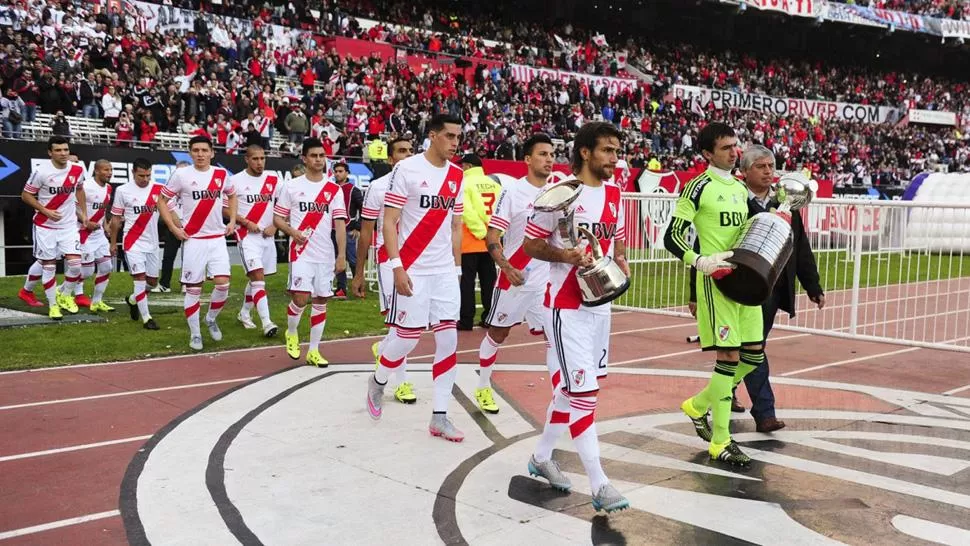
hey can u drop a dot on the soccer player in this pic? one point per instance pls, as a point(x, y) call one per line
point(200, 189)
point(256, 191)
point(308, 209)
point(95, 252)
point(55, 190)
point(136, 204)
point(422, 237)
point(372, 214)
point(717, 204)
point(579, 335)
point(522, 280)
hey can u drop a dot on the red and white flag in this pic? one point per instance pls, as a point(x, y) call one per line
point(600, 40)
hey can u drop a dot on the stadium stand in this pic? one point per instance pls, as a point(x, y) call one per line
point(170, 85)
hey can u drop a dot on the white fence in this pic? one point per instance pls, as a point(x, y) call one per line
point(892, 271)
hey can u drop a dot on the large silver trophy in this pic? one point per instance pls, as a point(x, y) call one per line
point(765, 245)
point(601, 282)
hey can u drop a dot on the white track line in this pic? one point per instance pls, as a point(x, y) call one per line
point(957, 390)
point(129, 393)
point(695, 350)
point(531, 343)
point(850, 361)
point(69, 449)
point(58, 524)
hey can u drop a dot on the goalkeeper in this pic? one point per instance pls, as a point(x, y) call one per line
point(717, 204)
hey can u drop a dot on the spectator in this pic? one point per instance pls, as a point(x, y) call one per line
point(148, 128)
point(12, 110)
point(296, 124)
point(60, 125)
point(111, 106)
point(125, 130)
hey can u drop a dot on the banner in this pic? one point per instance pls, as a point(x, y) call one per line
point(799, 8)
point(157, 18)
point(934, 117)
point(525, 74)
point(897, 19)
point(806, 108)
point(952, 28)
point(833, 11)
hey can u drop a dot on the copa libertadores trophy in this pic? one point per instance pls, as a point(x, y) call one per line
point(603, 281)
point(764, 245)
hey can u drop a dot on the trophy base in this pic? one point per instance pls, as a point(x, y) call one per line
point(752, 280)
point(608, 297)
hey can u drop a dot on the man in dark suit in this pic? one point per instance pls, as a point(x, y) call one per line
point(758, 168)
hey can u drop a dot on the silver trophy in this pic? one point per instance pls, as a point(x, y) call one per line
point(765, 245)
point(603, 281)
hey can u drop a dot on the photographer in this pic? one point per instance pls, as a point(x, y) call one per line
point(60, 125)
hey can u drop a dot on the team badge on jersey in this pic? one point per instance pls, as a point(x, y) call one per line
point(579, 378)
point(401, 315)
point(612, 209)
point(451, 186)
point(723, 332)
point(502, 317)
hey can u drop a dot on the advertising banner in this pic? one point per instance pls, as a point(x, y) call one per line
point(934, 117)
point(806, 108)
point(798, 8)
point(526, 74)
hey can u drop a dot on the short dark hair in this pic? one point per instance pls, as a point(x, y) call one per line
point(341, 164)
point(439, 121)
point(537, 138)
point(711, 132)
point(396, 140)
point(57, 139)
point(310, 143)
point(141, 163)
point(587, 137)
point(199, 139)
point(253, 146)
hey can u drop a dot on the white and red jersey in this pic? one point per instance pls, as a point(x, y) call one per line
point(312, 208)
point(511, 215)
point(97, 200)
point(373, 209)
point(598, 209)
point(201, 195)
point(429, 197)
point(139, 207)
point(55, 189)
point(255, 196)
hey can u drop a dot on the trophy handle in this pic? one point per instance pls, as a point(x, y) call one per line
point(566, 231)
point(594, 243)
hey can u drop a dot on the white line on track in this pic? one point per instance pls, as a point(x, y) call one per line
point(69, 449)
point(57, 524)
point(957, 390)
point(129, 393)
point(850, 361)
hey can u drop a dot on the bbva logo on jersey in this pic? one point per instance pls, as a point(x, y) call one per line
point(62, 189)
point(206, 195)
point(258, 198)
point(601, 230)
point(436, 202)
point(141, 209)
point(312, 206)
point(733, 218)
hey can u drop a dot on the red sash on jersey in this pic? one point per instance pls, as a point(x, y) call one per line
point(70, 182)
point(202, 210)
point(98, 214)
point(258, 209)
point(570, 296)
point(140, 223)
point(312, 219)
point(426, 229)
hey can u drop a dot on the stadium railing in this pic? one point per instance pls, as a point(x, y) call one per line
point(892, 271)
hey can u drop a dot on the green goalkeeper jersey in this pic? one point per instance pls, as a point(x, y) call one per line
point(717, 205)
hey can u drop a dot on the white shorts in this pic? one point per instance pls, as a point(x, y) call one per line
point(385, 285)
point(580, 342)
point(514, 306)
point(315, 278)
point(434, 298)
point(143, 262)
point(203, 258)
point(258, 252)
point(95, 247)
point(52, 244)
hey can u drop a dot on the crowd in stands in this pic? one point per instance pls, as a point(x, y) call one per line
point(62, 58)
point(944, 9)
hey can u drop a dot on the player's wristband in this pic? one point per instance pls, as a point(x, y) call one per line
point(395, 263)
point(458, 270)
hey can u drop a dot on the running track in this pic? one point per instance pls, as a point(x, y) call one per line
point(69, 433)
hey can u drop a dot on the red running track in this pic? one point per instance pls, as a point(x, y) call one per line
point(69, 433)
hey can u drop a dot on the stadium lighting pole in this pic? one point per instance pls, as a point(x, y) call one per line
point(856, 269)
